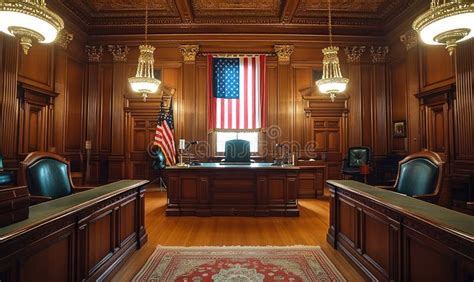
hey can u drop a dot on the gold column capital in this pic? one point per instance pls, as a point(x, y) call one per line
point(119, 52)
point(378, 53)
point(94, 53)
point(354, 53)
point(409, 39)
point(284, 53)
point(189, 52)
point(64, 38)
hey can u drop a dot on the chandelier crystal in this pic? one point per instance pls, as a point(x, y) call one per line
point(144, 81)
point(29, 20)
point(447, 22)
point(332, 82)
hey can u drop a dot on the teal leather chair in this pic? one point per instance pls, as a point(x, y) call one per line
point(237, 151)
point(420, 175)
point(7, 178)
point(356, 156)
point(47, 175)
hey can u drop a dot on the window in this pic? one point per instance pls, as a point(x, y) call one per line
point(223, 136)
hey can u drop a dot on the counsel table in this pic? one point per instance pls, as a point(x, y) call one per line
point(258, 189)
point(82, 236)
point(393, 237)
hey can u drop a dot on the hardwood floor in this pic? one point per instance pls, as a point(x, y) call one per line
point(308, 229)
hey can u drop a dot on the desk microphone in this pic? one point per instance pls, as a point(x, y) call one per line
point(191, 143)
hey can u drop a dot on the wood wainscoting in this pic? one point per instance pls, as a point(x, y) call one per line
point(84, 236)
point(393, 237)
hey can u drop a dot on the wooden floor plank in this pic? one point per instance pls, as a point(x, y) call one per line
point(308, 229)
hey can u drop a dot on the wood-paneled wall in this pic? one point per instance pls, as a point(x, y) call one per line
point(57, 99)
point(433, 93)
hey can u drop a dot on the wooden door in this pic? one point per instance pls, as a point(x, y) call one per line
point(140, 133)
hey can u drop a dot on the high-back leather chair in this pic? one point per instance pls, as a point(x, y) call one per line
point(6, 177)
point(237, 150)
point(47, 175)
point(356, 156)
point(420, 175)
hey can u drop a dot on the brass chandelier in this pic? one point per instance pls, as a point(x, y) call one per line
point(332, 82)
point(29, 20)
point(144, 81)
point(447, 22)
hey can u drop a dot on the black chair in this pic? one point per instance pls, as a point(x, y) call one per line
point(420, 175)
point(7, 178)
point(237, 151)
point(356, 156)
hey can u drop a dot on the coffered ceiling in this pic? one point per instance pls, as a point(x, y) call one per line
point(241, 16)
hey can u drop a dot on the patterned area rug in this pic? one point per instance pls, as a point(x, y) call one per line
point(295, 263)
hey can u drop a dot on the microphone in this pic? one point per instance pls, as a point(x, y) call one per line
point(191, 143)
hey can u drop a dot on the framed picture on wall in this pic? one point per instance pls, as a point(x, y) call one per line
point(399, 129)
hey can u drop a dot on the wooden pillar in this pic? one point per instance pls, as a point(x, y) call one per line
point(94, 55)
point(9, 101)
point(379, 101)
point(285, 117)
point(410, 40)
point(189, 106)
point(354, 90)
point(116, 159)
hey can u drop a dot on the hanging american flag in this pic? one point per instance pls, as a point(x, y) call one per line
point(236, 93)
point(164, 135)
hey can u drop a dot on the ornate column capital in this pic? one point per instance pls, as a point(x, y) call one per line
point(409, 39)
point(64, 38)
point(189, 52)
point(354, 53)
point(119, 52)
point(378, 53)
point(94, 53)
point(284, 53)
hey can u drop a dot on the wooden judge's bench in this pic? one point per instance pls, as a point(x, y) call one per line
point(257, 189)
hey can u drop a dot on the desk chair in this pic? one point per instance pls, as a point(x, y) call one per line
point(47, 175)
point(7, 178)
point(420, 175)
point(237, 151)
point(356, 156)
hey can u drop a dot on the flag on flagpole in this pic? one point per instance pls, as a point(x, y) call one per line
point(237, 92)
point(164, 134)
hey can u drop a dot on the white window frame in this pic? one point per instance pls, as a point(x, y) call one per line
point(238, 131)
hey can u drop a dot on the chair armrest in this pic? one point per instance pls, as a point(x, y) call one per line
point(82, 189)
point(390, 188)
point(39, 199)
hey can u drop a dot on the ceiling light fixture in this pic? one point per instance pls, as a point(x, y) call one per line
point(332, 82)
point(144, 81)
point(29, 20)
point(447, 22)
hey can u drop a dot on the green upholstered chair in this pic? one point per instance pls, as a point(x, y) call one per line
point(356, 156)
point(47, 175)
point(7, 178)
point(237, 150)
point(420, 175)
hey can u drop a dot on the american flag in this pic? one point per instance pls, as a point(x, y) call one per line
point(236, 92)
point(164, 135)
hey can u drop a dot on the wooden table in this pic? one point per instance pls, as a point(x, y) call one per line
point(257, 189)
point(393, 237)
point(83, 236)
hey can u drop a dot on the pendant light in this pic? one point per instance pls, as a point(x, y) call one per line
point(447, 22)
point(144, 81)
point(29, 20)
point(332, 82)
